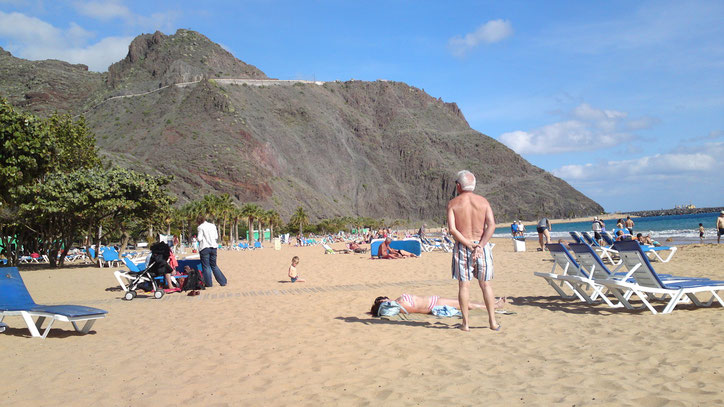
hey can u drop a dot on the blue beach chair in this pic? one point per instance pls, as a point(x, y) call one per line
point(651, 251)
point(594, 266)
point(15, 300)
point(606, 251)
point(649, 284)
point(563, 259)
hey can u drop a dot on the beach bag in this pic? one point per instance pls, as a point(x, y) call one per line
point(390, 309)
point(194, 281)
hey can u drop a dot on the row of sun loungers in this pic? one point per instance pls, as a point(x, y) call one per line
point(588, 279)
point(609, 253)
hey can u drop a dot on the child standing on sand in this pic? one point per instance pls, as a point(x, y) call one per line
point(701, 232)
point(293, 275)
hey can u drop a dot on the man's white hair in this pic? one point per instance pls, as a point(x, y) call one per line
point(466, 179)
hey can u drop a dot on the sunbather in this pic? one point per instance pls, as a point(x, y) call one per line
point(647, 240)
point(425, 304)
point(386, 252)
point(355, 247)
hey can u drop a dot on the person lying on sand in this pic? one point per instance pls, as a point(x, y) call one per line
point(386, 252)
point(424, 304)
point(355, 247)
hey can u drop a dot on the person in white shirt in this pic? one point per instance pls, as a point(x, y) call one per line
point(207, 236)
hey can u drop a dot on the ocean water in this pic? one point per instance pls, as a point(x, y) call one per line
point(681, 229)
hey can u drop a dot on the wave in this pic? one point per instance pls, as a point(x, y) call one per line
point(656, 234)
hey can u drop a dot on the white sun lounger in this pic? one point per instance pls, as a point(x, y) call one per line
point(648, 283)
point(569, 267)
point(651, 251)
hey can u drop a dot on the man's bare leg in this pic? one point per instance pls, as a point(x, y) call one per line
point(489, 299)
point(463, 298)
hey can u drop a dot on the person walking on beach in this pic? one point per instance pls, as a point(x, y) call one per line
point(544, 236)
point(719, 226)
point(596, 227)
point(701, 232)
point(470, 217)
point(208, 236)
point(629, 224)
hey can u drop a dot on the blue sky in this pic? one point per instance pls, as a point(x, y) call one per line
point(624, 100)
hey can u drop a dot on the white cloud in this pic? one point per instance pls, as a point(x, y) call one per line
point(685, 174)
point(35, 39)
point(491, 32)
point(103, 10)
point(587, 128)
point(108, 10)
point(659, 165)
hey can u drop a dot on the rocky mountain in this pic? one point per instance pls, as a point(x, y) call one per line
point(182, 105)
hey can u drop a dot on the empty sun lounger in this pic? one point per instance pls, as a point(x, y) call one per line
point(15, 300)
point(648, 283)
point(606, 251)
point(562, 259)
point(594, 267)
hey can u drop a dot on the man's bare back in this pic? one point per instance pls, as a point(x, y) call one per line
point(467, 216)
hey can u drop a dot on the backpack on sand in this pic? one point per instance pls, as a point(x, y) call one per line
point(194, 281)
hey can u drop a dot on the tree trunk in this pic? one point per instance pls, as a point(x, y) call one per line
point(124, 241)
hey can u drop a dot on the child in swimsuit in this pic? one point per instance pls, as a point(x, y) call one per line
point(293, 275)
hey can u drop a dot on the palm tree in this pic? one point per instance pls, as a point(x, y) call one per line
point(274, 220)
point(235, 215)
point(224, 206)
point(250, 211)
point(261, 221)
point(300, 217)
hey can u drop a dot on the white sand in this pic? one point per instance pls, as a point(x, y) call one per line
point(264, 341)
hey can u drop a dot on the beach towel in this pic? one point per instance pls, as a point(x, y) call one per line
point(390, 308)
point(445, 311)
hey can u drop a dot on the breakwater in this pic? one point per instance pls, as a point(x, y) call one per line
point(675, 211)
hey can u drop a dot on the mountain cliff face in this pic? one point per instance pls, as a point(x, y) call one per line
point(380, 149)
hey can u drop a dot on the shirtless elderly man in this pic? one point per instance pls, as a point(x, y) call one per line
point(386, 252)
point(471, 223)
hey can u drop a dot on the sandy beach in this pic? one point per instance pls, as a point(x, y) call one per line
point(264, 341)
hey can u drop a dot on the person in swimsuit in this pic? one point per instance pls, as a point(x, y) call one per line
point(424, 304)
point(629, 224)
point(293, 275)
point(701, 232)
point(719, 227)
point(471, 223)
point(386, 252)
point(544, 236)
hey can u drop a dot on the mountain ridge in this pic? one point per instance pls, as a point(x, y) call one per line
point(382, 149)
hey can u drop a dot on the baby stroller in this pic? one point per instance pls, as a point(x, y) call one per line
point(146, 279)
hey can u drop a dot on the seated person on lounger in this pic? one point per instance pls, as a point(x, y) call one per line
point(386, 252)
point(620, 236)
point(647, 240)
point(425, 304)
